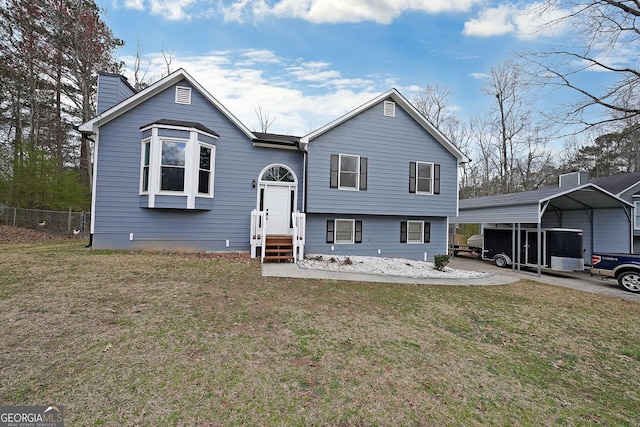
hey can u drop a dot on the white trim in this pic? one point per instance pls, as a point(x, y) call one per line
point(191, 167)
point(335, 231)
point(182, 128)
point(421, 232)
point(357, 172)
point(636, 212)
point(94, 184)
point(212, 166)
point(408, 107)
point(262, 172)
point(431, 178)
point(144, 142)
point(154, 89)
point(183, 95)
point(389, 109)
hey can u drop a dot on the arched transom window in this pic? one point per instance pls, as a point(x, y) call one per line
point(277, 173)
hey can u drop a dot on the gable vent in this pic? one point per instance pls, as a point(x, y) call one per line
point(389, 109)
point(183, 95)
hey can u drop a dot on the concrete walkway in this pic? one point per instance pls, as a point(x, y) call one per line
point(497, 276)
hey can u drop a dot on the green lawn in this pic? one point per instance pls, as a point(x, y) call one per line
point(136, 338)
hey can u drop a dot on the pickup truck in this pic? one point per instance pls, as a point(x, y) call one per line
point(624, 267)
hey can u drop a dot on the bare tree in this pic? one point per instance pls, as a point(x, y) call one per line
point(606, 37)
point(140, 75)
point(511, 119)
point(168, 58)
point(264, 119)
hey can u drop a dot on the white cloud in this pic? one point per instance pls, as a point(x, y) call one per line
point(134, 4)
point(493, 21)
point(525, 21)
point(173, 10)
point(480, 76)
point(285, 89)
point(339, 11)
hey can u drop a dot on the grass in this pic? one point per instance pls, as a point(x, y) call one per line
point(133, 338)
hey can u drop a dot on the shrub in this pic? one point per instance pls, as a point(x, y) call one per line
point(441, 261)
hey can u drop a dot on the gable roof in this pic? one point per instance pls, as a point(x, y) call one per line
point(617, 184)
point(117, 110)
point(408, 107)
point(546, 194)
point(528, 206)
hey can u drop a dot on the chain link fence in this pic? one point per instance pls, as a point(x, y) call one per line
point(61, 223)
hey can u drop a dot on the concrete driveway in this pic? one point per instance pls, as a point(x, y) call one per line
point(581, 281)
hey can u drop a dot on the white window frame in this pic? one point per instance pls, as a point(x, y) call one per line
point(211, 169)
point(421, 240)
point(185, 189)
point(183, 95)
point(357, 172)
point(192, 166)
point(145, 142)
point(636, 215)
point(389, 109)
point(431, 178)
point(353, 231)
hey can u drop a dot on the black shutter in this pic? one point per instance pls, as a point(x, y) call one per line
point(358, 234)
point(364, 163)
point(436, 179)
point(334, 171)
point(403, 232)
point(330, 224)
point(427, 232)
point(412, 177)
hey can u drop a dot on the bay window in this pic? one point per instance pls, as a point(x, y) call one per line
point(177, 166)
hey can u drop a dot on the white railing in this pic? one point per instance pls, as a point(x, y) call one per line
point(258, 231)
point(299, 231)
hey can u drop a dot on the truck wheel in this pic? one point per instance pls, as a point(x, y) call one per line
point(500, 261)
point(630, 281)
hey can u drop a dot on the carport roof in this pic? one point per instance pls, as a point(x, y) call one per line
point(528, 206)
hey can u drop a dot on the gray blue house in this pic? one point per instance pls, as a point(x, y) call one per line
point(175, 170)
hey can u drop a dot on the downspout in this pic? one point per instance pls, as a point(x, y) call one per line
point(305, 163)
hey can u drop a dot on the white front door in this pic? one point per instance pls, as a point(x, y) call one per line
point(277, 205)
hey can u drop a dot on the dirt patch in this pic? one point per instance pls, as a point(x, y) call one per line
point(9, 234)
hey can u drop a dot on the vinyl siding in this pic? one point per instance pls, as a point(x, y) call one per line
point(612, 232)
point(118, 210)
point(378, 233)
point(389, 144)
point(111, 91)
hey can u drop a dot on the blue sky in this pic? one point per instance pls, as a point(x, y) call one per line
point(307, 62)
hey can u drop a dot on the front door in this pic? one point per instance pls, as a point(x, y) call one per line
point(277, 205)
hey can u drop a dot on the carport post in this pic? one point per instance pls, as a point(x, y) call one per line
point(539, 248)
point(513, 246)
point(519, 245)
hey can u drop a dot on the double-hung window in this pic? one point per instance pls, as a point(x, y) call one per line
point(204, 171)
point(177, 165)
point(637, 215)
point(344, 231)
point(348, 172)
point(415, 232)
point(146, 150)
point(172, 170)
point(424, 178)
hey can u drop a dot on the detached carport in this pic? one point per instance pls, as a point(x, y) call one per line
point(606, 220)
